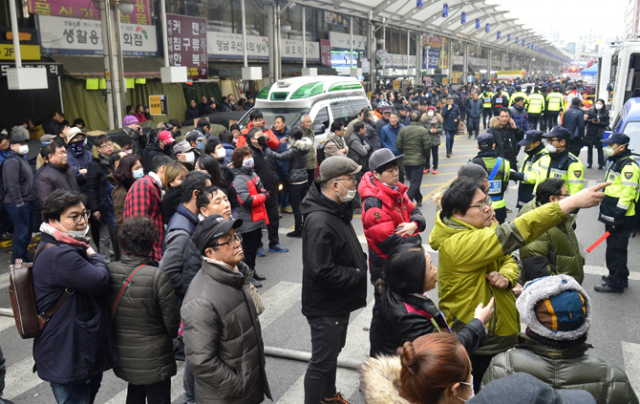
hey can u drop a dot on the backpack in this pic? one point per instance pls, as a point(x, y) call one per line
point(320, 151)
point(23, 301)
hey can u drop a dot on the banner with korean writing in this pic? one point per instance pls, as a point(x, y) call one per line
point(221, 45)
point(342, 41)
point(430, 60)
point(291, 49)
point(72, 36)
point(187, 44)
point(86, 10)
point(325, 51)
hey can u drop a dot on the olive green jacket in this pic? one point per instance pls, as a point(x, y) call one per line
point(415, 143)
point(555, 252)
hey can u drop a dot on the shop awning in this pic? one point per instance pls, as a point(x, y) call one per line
point(93, 66)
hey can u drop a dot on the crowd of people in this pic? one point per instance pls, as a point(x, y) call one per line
point(154, 240)
point(209, 106)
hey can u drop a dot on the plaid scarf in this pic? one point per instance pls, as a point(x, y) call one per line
point(63, 237)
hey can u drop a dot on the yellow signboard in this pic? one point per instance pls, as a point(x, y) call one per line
point(396, 84)
point(158, 104)
point(445, 80)
point(27, 52)
point(510, 72)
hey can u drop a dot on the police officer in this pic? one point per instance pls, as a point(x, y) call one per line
point(486, 96)
point(519, 93)
point(500, 99)
point(559, 163)
point(535, 108)
point(553, 107)
point(530, 171)
point(618, 210)
point(498, 170)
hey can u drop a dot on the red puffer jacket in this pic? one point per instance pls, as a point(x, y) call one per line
point(252, 197)
point(383, 210)
point(273, 142)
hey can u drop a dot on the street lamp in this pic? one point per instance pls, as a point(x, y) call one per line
point(125, 7)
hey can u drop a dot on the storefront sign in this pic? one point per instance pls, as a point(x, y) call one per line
point(336, 19)
point(53, 69)
point(72, 36)
point(325, 52)
point(291, 49)
point(86, 10)
point(430, 61)
point(187, 44)
point(158, 104)
point(398, 60)
point(221, 45)
point(29, 45)
point(341, 41)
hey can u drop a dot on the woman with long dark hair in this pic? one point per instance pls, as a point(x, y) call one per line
point(129, 170)
point(222, 177)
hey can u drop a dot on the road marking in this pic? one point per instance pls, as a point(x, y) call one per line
point(597, 270)
point(6, 322)
point(435, 191)
point(278, 300)
point(347, 380)
point(631, 354)
point(20, 379)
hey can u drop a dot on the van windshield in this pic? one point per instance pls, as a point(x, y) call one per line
point(291, 115)
point(632, 129)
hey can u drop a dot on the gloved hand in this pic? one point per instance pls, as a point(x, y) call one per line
point(516, 175)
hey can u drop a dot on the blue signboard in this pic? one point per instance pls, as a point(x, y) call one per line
point(487, 28)
point(499, 34)
point(463, 18)
point(430, 60)
point(508, 37)
point(477, 23)
point(445, 10)
point(419, 3)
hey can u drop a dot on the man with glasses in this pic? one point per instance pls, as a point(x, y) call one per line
point(560, 163)
point(57, 174)
point(334, 281)
point(475, 262)
point(556, 251)
point(221, 328)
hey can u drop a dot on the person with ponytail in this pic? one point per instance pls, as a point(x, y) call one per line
point(433, 369)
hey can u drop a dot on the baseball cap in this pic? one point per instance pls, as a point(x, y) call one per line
point(530, 136)
point(47, 138)
point(522, 388)
point(424, 102)
point(73, 132)
point(381, 157)
point(194, 135)
point(182, 147)
point(386, 108)
point(129, 120)
point(211, 228)
point(559, 132)
point(337, 166)
point(486, 139)
point(617, 138)
point(166, 136)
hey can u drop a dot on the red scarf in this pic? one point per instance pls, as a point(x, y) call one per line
point(63, 237)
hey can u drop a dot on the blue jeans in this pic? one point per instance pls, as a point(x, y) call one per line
point(188, 383)
point(450, 137)
point(82, 392)
point(21, 217)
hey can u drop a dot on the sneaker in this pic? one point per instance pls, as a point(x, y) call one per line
point(338, 399)
point(260, 252)
point(286, 209)
point(279, 248)
point(604, 288)
point(296, 234)
point(605, 278)
point(6, 236)
point(435, 171)
point(426, 171)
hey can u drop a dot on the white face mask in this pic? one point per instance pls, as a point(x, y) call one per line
point(137, 174)
point(349, 197)
point(430, 114)
point(374, 119)
point(598, 106)
point(609, 151)
point(189, 157)
point(80, 235)
point(473, 394)
point(248, 162)
point(128, 151)
point(23, 149)
point(551, 148)
point(221, 153)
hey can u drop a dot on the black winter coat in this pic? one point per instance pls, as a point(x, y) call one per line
point(403, 318)
point(265, 167)
point(97, 181)
point(145, 321)
point(595, 131)
point(506, 139)
point(573, 121)
point(150, 152)
point(170, 201)
point(372, 135)
point(451, 118)
point(54, 177)
point(296, 155)
point(334, 280)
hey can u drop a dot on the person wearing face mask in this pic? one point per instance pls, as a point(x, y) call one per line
point(432, 121)
point(18, 194)
point(196, 141)
point(129, 170)
point(281, 130)
point(559, 162)
point(618, 210)
point(78, 157)
point(597, 120)
point(253, 212)
point(226, 139)
point(56, 174)
point(174, 173)
point(131, 127)
point(334, 280)
point(162, 147)
point(67, 265)
point(530, 169)
point(184, 153)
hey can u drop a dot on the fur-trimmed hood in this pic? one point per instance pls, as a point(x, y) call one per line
point(495, 123)
point(379, 378)
point(302, 144)
point(437, 118)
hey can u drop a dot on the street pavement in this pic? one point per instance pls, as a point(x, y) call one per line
point(614, 331)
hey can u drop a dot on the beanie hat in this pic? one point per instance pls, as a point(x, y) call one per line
point(555, 307)
point(129, 120)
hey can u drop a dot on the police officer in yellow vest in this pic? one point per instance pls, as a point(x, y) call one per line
point(519, 93)
point(535, 108)
point(486, 96)
point(530, 169)
point(553, 107)
point(559, 163)
point(498, 170)
point(618, 210)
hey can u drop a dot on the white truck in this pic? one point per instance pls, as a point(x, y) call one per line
point(619, 67)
